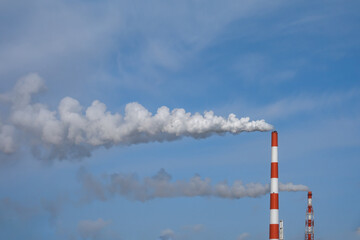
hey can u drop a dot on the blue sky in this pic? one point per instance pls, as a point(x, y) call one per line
point(294, 64)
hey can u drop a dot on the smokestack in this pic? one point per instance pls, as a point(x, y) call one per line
point(274, 189)
point(281, 228)
point(309, 221)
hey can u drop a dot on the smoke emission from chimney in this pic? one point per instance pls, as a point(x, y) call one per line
point(161, 186)
point(73, 132)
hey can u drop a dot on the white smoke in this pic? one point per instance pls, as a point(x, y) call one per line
point(74, 132)
point(290, 187)
point(161, 186)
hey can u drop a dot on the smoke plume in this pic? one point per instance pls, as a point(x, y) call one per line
point(72, 131)
point(161, 186)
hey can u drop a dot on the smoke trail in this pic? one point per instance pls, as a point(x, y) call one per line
point(72, 132)
point(161, 186)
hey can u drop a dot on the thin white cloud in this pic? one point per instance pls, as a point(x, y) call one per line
point(293, 106)
point(55, 36)
point(257, 68)
point(306, 103)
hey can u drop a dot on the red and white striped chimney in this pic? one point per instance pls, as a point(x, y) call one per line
point(274, 189)
point(309, 221)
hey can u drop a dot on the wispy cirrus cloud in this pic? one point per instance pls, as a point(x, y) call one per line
point(257, 68)
point(117, 42)
point(295, 105)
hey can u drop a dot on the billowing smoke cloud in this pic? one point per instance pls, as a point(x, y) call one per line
point(161, 186)
point(72, 132)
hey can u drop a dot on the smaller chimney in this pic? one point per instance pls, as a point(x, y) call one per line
point(281, 230)
point(309, 220)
